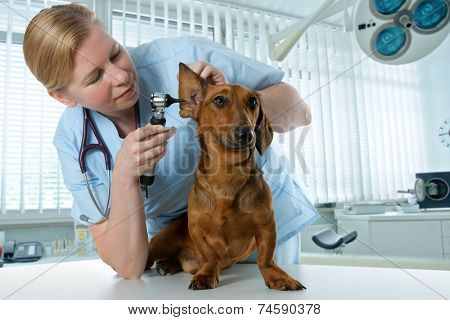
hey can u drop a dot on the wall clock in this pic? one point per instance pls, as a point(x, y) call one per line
point(444, 133)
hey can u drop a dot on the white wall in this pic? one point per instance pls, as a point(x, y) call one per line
point(434, 81)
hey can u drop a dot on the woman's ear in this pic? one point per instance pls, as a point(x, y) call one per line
point(63, 98)
point(191, 89)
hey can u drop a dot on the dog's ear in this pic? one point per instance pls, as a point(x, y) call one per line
point(191, 89)
point(264, 132)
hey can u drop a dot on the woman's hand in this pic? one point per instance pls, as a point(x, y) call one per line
point(208, 72)
point(141, 150)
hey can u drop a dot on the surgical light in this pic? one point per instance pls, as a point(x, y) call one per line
point(388, 31)
point(430, 13)
point(390, 41)
point(388, 7)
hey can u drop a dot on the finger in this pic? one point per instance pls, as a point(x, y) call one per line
point(213, 75)
point(206, 72)
point(198, 66)
point(150, 154)
point(156, 140)
point(153, 161)
point(224, 79)
point(147, 131)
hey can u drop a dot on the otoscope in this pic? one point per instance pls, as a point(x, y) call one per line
point(159, 102)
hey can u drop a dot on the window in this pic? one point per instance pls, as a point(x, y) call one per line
point(365, 142)
point(30, 177)
point(366, 137)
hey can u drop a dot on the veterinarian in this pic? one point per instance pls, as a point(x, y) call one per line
point(100, 75)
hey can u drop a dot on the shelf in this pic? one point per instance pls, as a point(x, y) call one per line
point(34, 219)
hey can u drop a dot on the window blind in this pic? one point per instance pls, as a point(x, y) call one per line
point(366, 139)
point(365, 142)
point(30, 177)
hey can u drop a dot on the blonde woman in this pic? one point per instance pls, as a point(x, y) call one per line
point(69, 51)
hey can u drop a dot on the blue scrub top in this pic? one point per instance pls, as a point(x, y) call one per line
point(157, 66)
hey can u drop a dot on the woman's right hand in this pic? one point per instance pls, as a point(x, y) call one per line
point(141, 150)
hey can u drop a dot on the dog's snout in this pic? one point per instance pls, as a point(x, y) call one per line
point(243, 134)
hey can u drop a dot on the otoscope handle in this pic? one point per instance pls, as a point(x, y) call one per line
point(148, 177)
point(159, 102)
point(151, 172)
point(156, 121)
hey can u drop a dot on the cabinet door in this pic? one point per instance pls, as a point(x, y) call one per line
point(446, 242)
point(421, 239)
point(446, 228)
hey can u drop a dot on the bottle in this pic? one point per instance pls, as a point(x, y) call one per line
point(82, 240)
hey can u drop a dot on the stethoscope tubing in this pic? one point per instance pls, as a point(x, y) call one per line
point(104, 215)
point(101, 146)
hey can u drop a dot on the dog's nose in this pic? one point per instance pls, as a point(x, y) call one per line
point(243, 134)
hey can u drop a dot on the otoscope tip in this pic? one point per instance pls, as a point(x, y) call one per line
point(170, 100)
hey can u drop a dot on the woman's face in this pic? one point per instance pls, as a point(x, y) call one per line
point(104, 77)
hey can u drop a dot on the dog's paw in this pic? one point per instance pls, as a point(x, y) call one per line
point(285, 284)
point(201, 282)
point(165, 267)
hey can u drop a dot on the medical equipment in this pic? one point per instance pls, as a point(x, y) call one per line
point(432, 190)
point(388, 31)
point(158, 102)
point(22, 252)
point(331, 241)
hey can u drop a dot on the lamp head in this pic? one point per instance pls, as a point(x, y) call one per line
point(400, 31)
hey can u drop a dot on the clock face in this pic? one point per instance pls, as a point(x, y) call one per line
point(444, 133)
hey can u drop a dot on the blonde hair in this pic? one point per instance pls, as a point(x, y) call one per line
point(51, 40)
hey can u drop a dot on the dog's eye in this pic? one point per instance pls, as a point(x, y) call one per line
point(252, 102)
point(220, 101)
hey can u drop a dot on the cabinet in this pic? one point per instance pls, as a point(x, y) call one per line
point(392, 234)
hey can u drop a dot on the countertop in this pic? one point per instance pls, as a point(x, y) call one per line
point(92, 279)
point(340, 214)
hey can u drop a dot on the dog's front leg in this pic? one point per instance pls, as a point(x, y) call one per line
point(274, 276)
point(207, 275)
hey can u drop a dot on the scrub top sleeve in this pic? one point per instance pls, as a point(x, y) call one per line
point(74, 181)
point(237, 68)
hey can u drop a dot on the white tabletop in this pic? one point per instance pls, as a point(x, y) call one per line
point(340, 214)
point(95, 280)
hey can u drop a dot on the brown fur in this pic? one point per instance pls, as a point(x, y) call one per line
point(230, 205)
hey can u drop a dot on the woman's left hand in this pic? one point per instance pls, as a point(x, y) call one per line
point(208, 72)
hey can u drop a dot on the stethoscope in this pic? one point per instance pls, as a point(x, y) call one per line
point(159, 102)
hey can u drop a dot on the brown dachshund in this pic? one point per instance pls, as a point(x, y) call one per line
point(229, 205)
